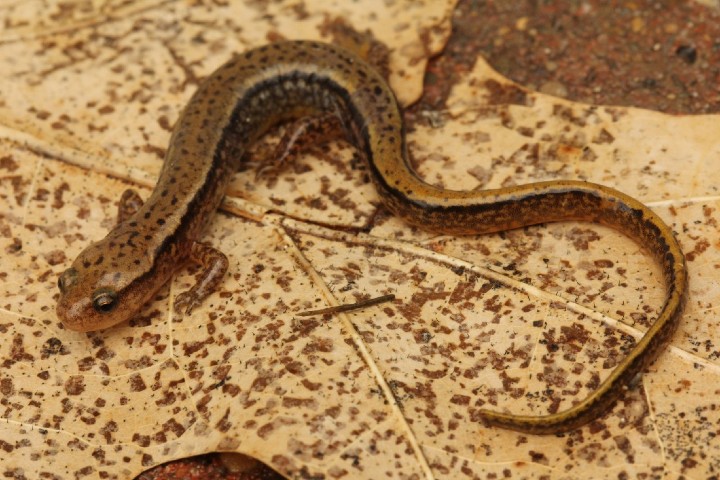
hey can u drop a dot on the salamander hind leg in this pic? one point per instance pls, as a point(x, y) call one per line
point(215, 265)
point(130, 203)
point(300, 135)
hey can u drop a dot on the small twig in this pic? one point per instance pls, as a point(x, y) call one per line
point(348, 306)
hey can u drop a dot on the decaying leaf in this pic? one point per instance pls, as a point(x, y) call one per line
point(527, 321)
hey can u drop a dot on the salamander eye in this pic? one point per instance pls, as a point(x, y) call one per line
point(104, 300)
point(67, 279)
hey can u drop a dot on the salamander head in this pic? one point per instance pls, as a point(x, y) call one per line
point(97, 291)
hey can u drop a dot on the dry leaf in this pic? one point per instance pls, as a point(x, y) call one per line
point(527, 321)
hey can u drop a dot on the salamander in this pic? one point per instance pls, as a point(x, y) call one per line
point(112, 279)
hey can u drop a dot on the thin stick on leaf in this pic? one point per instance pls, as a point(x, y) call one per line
point(349, 306)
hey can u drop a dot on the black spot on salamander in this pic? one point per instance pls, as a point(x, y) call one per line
point(164, 193)
point(148, 237)
point(377, 90)
point(133, 224)
point(669, 257)
point(249, 54)
point(184, 151)
point(200, 140)
point(86, 264)
point(161, 221)
point(136, 261)
point(100, 260)
point(147, 215)
point(174, 201)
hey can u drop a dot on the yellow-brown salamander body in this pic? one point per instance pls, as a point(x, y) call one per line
point(111, 280)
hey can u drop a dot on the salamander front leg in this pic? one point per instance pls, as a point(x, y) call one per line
point(215, 265)
point(130, 203)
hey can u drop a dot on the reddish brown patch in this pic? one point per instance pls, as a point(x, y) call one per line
point(75, 385)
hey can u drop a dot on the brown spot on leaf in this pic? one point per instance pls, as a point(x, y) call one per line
point(137, 384)
point(8, 163)
point(581, 237)
point(6, 386)
point(75, 385)
point(52, 346)
point(294, 402)
point(505, 94)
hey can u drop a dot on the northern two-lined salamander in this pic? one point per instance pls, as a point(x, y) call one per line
point(110, 280)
